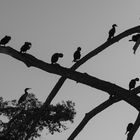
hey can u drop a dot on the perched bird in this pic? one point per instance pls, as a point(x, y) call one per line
point(77, 54)
point(136, 39)
point(24, 96)
point(5, 40)
point(132, 83)
point(55, 57)
point(129, 127)
point(26, 46)
point(111, 32)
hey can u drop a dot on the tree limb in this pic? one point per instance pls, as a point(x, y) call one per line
point(84, 59)
point(134, 128)
point(84, 78)
point(91, 114)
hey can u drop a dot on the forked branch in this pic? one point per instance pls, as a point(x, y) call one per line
point(30, 60)
point(90, 115)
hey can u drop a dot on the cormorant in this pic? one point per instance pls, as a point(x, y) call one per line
point(77, 54)
point(55, 57)
point(25, 47)
point(136, 39)
point(112, 32)
point(24, 96)
point(5, 40)
point(129, 127)
point(132, 83)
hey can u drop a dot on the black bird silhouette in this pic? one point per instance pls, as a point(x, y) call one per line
point(24, 96)
point(5, 40)
point(111, 32)
point(77, 54)
point(25, 47)
point(132, 83)
point(55, 57)
point(136, 39)
point(129, 127)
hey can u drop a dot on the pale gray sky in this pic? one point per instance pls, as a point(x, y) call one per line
point(62, 26)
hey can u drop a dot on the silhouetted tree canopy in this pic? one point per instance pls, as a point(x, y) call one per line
point(17, 119)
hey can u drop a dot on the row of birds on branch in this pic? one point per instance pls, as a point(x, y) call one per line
point(76, 56)
point(135, 38)
point(77, 53)
point(26, 46)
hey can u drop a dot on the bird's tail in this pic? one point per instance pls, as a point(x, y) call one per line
point(134, 52)
point(109, 37)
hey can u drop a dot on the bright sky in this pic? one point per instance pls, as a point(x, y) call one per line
point(61, 26)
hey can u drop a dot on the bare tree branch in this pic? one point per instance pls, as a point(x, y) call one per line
point(135, 128)
point(84, 78)
point(84, 59)
point(97, 110)
point(28, 59)
point(91, 114)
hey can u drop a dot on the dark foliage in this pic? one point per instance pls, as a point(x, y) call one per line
point(20, 117)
